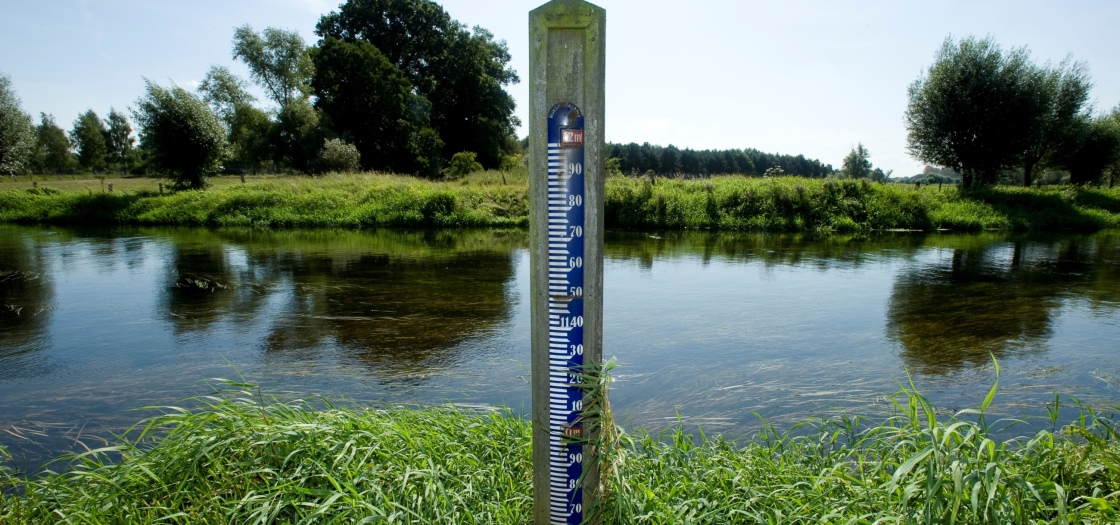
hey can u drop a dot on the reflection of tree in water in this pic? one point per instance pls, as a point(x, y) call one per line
point(393, 300)
point(995, 298)
point(205, 287)
point(822, 252)
point(25, 298)
point(394, 312)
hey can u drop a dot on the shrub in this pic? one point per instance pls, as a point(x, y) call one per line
point(614, 166)
point(512, 162)
point(462, 164)
point(339, 156)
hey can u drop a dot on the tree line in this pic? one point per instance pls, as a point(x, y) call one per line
point(391, 85)
point(638, 159)
point(981, 111)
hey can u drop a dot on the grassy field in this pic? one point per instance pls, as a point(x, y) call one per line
point(495, 199)
point(127, 184)
point(235, 458)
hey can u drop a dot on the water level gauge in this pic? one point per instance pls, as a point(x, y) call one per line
point(565, 311)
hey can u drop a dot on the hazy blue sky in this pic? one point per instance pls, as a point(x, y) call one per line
point(811, 77)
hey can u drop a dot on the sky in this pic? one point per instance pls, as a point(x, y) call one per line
point(812, 77)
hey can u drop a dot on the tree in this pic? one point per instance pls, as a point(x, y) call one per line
point(973, 110)
point(52, 148)
point(248, 128)
point(690, 162)
point(1062, 93)
point(857, 164)
point(369, 99)
point(1114, 170)
point(181, 134)
point(225, 92)
point(460, 74)
point(670, 160)
point(1097, 150)
point(249, 138)
point(17, 133)
point(339, 156)
point(88, 136)
point(278, 61)
point(118, 139)
point(296, 135)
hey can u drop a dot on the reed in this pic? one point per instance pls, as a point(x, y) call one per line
point(239, 457)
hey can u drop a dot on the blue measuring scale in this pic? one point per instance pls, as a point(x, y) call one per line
point(565, 312)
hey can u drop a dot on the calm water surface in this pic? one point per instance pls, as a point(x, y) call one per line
point(707, 328)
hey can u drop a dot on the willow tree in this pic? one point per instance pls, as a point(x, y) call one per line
point(17, 133)
point(1062, 93)
point(183, 136)
point(973, 109)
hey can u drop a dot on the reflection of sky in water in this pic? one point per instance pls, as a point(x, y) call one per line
point(709, 328)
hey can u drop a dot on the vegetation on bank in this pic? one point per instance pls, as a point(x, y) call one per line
point(237, 459)
point(496, 199)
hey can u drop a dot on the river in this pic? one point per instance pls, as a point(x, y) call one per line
point(707, 328)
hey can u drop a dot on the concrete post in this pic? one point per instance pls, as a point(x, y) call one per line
point(566, 90)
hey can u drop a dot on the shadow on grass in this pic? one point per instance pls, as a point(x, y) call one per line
point(1108, 201)
point(1046, 210)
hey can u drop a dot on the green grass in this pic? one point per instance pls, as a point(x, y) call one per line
point(819, 205)
point(238, 459)
point(495, 199)
point(333, 201)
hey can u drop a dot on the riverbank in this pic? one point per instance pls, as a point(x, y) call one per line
point(493, 199)
point(234, 459)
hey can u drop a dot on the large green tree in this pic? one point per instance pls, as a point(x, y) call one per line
point(17, 133)
point(225, 92)
point(460, 73)
point(974, 108)
point(118, 139)
point(280, 62)
point(1062, 94)
point(88, 136)
point(182, 135)
point(1096, 150)
point(52, 148)
point(370, 101)
point(248, 128)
